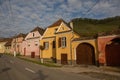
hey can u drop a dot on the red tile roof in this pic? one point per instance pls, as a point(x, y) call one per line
point(20, 35)
point(40, 30)
point(58, 22)
point(9, 42)
point(4, 39)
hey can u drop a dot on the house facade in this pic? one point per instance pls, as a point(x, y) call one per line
point(8, 46)
point(109, 50)
point(3, 42)
point(64, 45)
point(30, 46)
point(2, 47)
point(56, 41)
point(16, 46)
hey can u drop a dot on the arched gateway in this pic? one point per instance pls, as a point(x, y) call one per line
point(85, 54)
point(112, 52)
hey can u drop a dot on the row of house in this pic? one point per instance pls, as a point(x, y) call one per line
point(62, 44)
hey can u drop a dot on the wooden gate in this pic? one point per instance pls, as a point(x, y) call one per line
point(32, 54)
point(64, 59)
point(113, 54)
point(85, 54)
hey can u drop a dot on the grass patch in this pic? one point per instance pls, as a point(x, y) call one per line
point(9, 54)
point(38, 62)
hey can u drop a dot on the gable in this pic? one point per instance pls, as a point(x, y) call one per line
point(34, 34)
point(63, 27)
point(50, 31)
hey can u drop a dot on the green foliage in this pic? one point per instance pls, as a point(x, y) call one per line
point(18, 54)
point(90, 27)
point(38, 62)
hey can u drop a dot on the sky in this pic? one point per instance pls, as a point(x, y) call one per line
point(21, 16)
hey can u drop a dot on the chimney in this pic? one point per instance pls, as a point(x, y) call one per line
point(71, 24)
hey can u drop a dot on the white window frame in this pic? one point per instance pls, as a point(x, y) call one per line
point(63, 42)
point(46, 45)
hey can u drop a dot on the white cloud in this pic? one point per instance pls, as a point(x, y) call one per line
point(28, 14)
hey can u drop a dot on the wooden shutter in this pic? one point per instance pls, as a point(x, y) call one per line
point(59, 42)
point(44, 44)
point(54, 44)
point(65, 41)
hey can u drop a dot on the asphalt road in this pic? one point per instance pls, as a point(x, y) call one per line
point(16, 69)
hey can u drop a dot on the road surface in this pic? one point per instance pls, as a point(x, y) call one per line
point(16, 69)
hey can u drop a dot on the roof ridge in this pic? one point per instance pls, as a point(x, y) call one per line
point(57, 23)
point(39, 29)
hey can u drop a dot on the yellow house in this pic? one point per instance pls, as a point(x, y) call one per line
point(2, 47)
point(8, 46)
point(62, 44)
point(57, 41)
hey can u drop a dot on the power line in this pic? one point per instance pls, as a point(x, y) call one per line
point(10, 12)
point(97, 1)
point(1, 8)
point(7, 6)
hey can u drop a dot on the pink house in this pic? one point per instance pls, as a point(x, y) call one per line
point(30, 46)
point(16, 45)
point(109, 50)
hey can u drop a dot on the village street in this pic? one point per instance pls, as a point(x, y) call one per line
point(12, 68)
point(15, 69)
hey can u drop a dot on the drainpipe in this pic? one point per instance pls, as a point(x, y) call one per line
point(71, 47)
point(71, 24)
point(97, 56)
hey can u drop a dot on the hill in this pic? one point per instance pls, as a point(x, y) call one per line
point(91, 27)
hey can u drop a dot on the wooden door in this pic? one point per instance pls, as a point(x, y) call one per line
point(64, 59)
point(85, 54)
point(32, 54)
point(113, 54)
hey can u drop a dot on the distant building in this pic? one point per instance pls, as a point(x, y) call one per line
point(3, 42)
point(8, 46)
point(17, 43)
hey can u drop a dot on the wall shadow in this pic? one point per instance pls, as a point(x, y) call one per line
point(41, 76)
point(5, 69)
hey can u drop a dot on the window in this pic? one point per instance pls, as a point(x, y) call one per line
point(46, 45)
point(59, 42)
point(62, 28)
point(36, 44)
point(56, 29)
point(54, 44)
point(62, 42)
point(33, 34)
point(28, 44)
point(17, 46)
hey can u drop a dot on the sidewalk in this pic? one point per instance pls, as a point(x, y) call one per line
point(91, 69)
